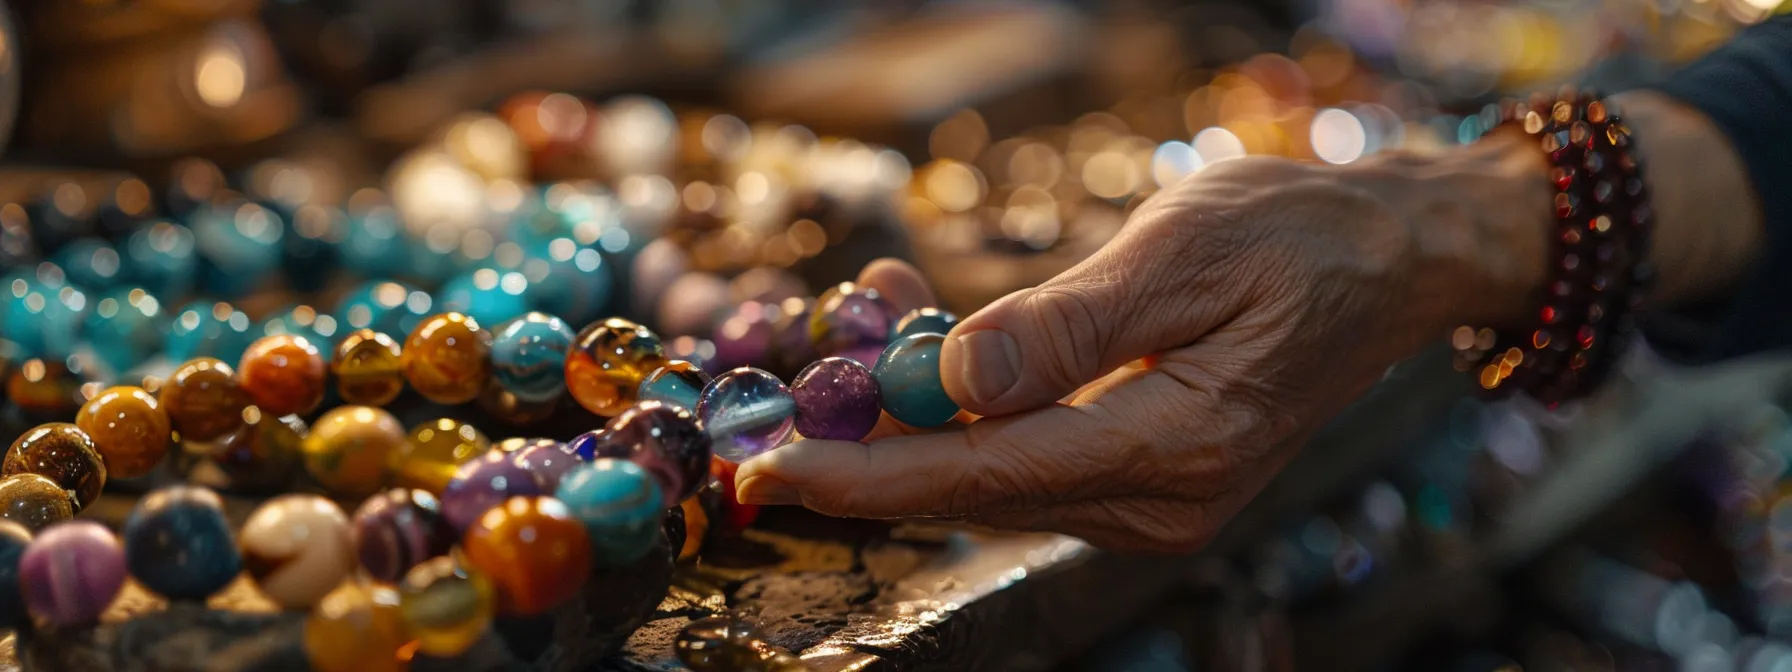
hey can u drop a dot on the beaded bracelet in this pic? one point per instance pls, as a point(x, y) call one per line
point(1600, 272)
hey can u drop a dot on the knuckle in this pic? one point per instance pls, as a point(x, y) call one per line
point(1074, 337)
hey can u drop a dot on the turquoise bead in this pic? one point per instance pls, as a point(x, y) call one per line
point(908, 378)
point(391, 308)
point(620, 505)
point(163, 259)
point(574, 281)
point(318, 327)
point(91, 264)
point(488, 295)
point(240, 243)
point(40, 313)
point(178, 544)
point(925, 321)
point(126, 327)
point(375, 245)
point(208, 329)
point(529, 356)
point(433, 260)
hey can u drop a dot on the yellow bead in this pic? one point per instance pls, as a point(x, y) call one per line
point(434, 450)
point(607, 361)
point(447, 607)
point(358, 628)
point(128, 427)
point(349, 449)
point(447, 358)
point(367, 368)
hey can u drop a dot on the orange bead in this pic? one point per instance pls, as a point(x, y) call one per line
point(532, 548)
point(203, 400)
point(448, 358)
point(367, 368)
point(358, 628)
point(696, 527)
point(283, 374)
point(44, 386)
point(129, 429)
point(607, 362)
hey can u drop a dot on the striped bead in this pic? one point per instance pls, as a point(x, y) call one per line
point(397, 530)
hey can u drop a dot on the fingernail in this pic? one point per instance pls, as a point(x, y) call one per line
point(767, 491)
point(991, 363)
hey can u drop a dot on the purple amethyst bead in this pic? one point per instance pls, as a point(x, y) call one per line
point(399, 529)
point(791, 347)
point(72, 571)
point(746, 412)
point(549, 462)
point(484, 483)
point(745, 338)
point(664, 440)
point(848, 317)
point(836, 398)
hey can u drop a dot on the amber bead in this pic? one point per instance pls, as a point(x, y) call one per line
point(505, 406)
point(62, 453)
point(44, 387)
point(696, 527)
point(533, 550)
point(34, 501)
point(129, 429)
point(349, 449)
point(202, 400)
point(358, 628)
point(433, 452)
point(607, 362)
point(262, 456)
point(283, 374)
point(447, 359)
point(367, 368)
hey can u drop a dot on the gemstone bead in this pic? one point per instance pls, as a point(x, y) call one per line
point(40, 313)
point(263, 455)
point(679, 383)
point(14, 539)
point(484, 483)
point(297, 548)
point(367, 368)
point(445, 606)
point(90, 263)
point(34, 501)
point(791, 347)
point(375, 243)
point(533, 550)
point(745, 337)
point(162, 257)
point(663, 440)
point(584, 446)
point(388, 307)
point(240, 244)
point(202, 400)
point(908, 377)
point(487, 295)
point(547, 462)
point(696, 528)
point(283, 375)
point(399, 529)
point(620, 505)
point(318, 328)
point(507, 408)
point(62, 453)
point(128, 428)
point(836, 398)
point(849, 317)
point(71, 572)
point(607, 361)
point(46, 388)
point(519, 444)
point(746, 412)
point(349, 448)
point(434, 451)
point(577, 284)
point(358, 628)
point(178, 544)
point(925, 321)
point(126, 327)
point(529, 356)
point(208, 329)
point(447, 358)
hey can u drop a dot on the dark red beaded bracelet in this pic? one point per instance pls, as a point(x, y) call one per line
point(1599, 271)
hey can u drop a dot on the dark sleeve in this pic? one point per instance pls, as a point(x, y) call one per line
point(1745, 87)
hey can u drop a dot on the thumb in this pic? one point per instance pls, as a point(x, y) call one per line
point(1031, 348)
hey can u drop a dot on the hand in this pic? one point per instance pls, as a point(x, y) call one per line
point(1273, 294)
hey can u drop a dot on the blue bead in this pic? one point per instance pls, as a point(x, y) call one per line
point(620, 505)
point(240, 245)
point(375, 245)
point(908, 378)
point(177, 543)
point(575, 282)
point(162, 258)
point(318, 327)
point(126, 327)
point(433, 260)
point(529, 356)
point(91, 264)
point(585, 445)
point(209, 329)
point(40, 313)
point(14, 538)
point(309, 257)
point(925, 321)
point(391, 308)
point(487, 295)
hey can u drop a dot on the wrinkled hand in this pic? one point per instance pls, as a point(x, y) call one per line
point(1272, 293)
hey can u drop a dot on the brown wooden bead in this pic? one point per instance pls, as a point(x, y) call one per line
point(283, 375)
point(62, 453)
point(203, 400)
point(128, 428)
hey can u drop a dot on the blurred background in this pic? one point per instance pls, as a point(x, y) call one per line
point(181, 176)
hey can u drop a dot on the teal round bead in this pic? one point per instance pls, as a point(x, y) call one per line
point(126, 327)
point(488, 295)
point(908, 378)
point(529, 356)
point(391, 308)
point(620, 505)
point(375, 244)
point(208, 329)
point(316, 326)
point(40, 313)
point(91, 263)
point(575, 281)
point(177, 543)
point(241, 243)
point(163, 259)
point(925, 321)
